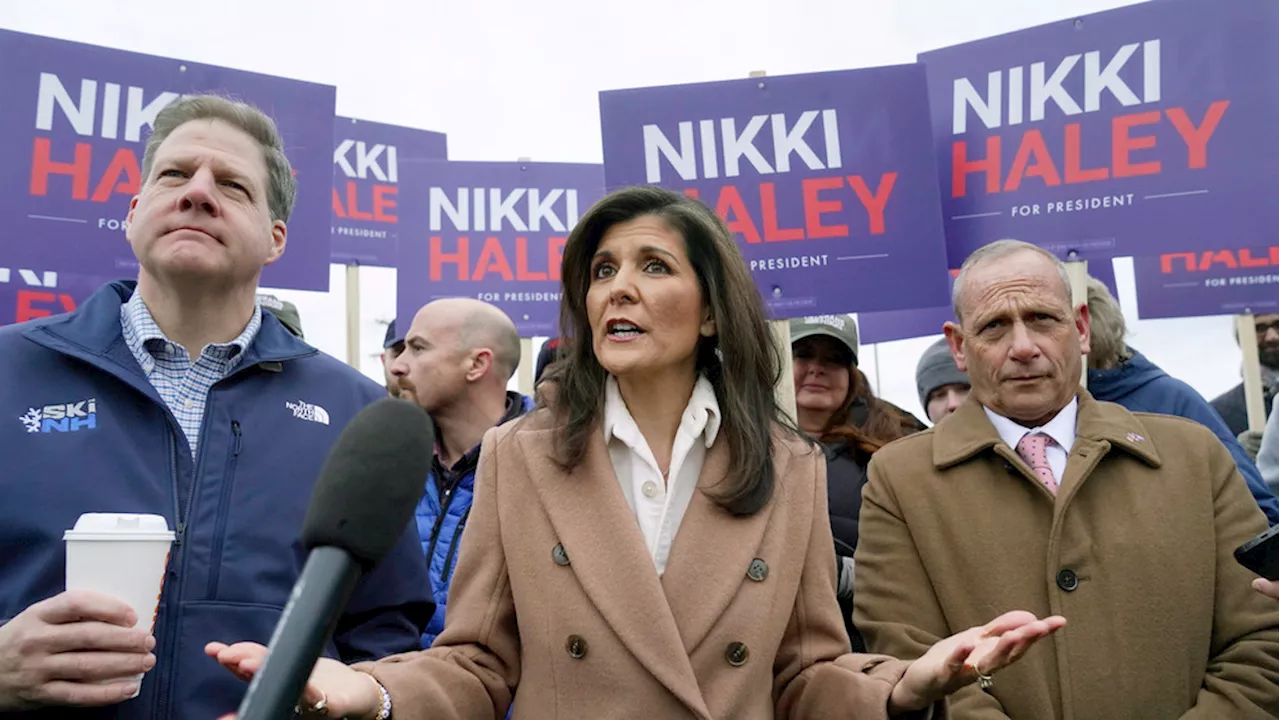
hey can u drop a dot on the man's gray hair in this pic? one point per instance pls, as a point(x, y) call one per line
point(994, 251)
point(1106, 328)
point(282, 187)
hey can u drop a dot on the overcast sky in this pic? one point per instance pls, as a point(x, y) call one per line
point(508, 79)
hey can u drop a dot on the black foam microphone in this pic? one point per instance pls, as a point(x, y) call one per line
point(368, 488)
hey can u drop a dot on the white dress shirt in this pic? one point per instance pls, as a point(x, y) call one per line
point(1062, 428)
point(660, 505)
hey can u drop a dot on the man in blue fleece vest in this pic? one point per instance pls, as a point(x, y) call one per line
point(178, 396)
point(1122, 375)
point(459, 355)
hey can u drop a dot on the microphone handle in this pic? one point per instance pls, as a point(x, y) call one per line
point(327, 581)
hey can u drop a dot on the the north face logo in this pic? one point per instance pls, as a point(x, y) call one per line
point(307, 411)
point(64, 417)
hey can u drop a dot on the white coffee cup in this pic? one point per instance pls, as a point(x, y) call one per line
point(122, 555)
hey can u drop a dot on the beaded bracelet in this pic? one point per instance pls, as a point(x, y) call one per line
point(384, 706)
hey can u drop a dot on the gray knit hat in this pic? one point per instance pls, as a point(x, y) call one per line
point(936, 369)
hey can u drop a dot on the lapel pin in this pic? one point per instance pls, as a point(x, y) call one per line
point(1135, 438)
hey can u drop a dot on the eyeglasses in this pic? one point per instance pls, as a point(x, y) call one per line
point(1262, 327)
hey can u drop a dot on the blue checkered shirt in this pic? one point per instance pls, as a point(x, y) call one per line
point(183, 385)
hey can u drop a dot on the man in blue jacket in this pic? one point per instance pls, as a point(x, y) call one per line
point(177, 395)
point(459, 356)
point(1120, 374)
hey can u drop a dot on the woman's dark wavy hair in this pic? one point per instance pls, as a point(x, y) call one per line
point(881, 427)
point(741, 361)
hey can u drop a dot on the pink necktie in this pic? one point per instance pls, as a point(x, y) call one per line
point(1031, 448)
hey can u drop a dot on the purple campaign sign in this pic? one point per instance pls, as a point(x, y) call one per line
point(72, 132)
point(1137, 131)
point(827, 180)
point(30, 294)
point(367, 158)
point(904, 324)
point(1222, 282)
point(494, 231)
point(878, 327)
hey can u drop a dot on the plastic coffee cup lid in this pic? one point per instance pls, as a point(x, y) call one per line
point(119, 526)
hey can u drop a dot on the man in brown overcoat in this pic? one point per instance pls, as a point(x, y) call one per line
point(1033, 495)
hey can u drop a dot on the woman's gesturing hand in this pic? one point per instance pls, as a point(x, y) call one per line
point(960, 659)
point(338, 690)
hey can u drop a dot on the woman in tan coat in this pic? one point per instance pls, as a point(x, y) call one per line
point(576, 597)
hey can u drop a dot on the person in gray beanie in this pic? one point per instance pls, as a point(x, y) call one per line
point(941, 385)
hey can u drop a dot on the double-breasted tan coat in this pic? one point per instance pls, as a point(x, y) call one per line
point(557, 599)
point(1135, 551)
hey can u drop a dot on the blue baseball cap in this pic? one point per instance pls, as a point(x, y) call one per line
point(392, 338)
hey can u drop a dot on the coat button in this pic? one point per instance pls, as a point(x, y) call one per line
point(559, 556)
point(576, 646)
point(1067, 580)
point(736, 654)
point(758, 570)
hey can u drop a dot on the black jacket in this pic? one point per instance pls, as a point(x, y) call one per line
point(846, 476)
point(1231, 406)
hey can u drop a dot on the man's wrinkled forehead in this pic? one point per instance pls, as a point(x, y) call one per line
point(1002, 279)
point(220, 144)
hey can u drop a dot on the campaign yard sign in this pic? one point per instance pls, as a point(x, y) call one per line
point(1213, 282)
point(367, 210)
point(827, 180)
point(72, 131)
point(494, 231)
point(1138, 131)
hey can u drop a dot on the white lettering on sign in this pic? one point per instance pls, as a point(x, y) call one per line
point(729, 147)
point(496, 210)
point(80, 114)
point(378, 160)
point(47, 279)
point(1042, 89)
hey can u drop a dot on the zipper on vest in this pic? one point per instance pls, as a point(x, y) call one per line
point(224, 509)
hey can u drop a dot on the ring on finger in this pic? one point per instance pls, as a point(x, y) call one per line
point(317, 709)
point(986, 682)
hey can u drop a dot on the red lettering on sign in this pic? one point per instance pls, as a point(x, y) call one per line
point(1032, 147)
point(522, 262)
point(1073, 174)
point(121, 177)
point(1034, 159)
point(738, 218)
point(1209, 259)
point(439, 258)
point(493, 260)
point(874, 203)
point(1122, 144)
point(27, 300)
point(384, 201)
point(42, 166)
point(961, 166)
point(1197, 138)
point(814, 208)
point(769, 208)
point(123, 163)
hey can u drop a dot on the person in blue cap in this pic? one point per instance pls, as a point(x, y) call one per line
point(392, 346)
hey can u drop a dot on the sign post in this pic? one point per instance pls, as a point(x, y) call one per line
point(1078, 272)
point(785, 392)
point(524, 374)
point(353, 316)
point(1247, 331)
